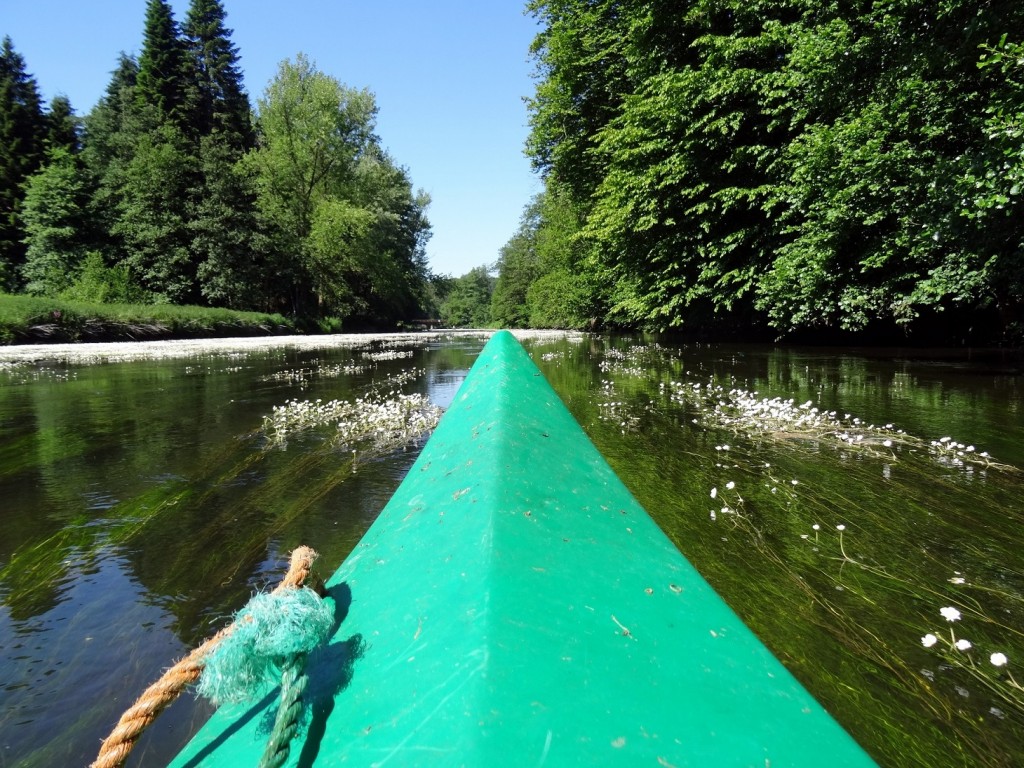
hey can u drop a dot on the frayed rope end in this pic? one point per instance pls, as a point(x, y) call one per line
point(272, 628)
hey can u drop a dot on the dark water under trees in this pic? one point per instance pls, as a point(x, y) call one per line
point(140, 505)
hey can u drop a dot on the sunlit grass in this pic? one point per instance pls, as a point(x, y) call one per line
point(28, 317)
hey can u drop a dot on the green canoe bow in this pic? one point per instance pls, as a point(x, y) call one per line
point(514, 605)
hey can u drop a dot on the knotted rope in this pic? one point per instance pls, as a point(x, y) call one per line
point(161, 694)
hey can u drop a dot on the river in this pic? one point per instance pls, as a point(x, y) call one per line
point(837, 500)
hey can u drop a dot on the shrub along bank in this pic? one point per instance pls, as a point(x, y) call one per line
point(30, 320)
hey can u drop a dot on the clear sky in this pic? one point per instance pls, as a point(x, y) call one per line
point(449, 75)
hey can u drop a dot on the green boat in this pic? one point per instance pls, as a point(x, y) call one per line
point(514, 605)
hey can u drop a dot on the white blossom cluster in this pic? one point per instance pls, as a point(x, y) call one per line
point(634, 361)
point(387, 354)
point(303, 375)
point(744, 411)
point(382, 423)
point(956, 650)
point(403, 377)
point(957, 454)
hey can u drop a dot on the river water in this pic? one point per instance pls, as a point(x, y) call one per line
point(837, 501)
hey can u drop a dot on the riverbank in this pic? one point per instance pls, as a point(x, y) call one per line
point(13, 355)
point(37, 320)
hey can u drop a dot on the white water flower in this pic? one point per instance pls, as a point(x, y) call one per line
point(730, 485)
point(887, 443)
point(840, 527)
point(714, 492)
point(794, 482)
point(957, 580)
point(950, 614)
point(998, 659)
point(816, 527)
point(963, 645)
point(929, 640)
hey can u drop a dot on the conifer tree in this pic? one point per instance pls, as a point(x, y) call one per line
point(63, 128)
point(107, 148)
point(218, 102)
point(22, 134)
point(152, 183)
point(161, 81)
point(226, 239)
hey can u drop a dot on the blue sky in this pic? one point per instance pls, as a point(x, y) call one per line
point(449, 75)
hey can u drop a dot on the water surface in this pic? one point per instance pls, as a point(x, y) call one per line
point(140, 505)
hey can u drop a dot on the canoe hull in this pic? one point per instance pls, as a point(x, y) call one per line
point(514, 605)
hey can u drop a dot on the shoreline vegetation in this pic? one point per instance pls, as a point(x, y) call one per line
point(40, 320)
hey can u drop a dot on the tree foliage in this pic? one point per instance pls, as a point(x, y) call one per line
point(22, 144)
point(57, 223)
point(468, 300)
point(168, 192)
point(795, 163)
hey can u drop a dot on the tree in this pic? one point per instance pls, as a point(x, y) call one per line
point(312, 132)
point(107, 149)
point(57, 223)
point(63, 129)
point(218, 104)
point(228, 243)
point(22, 135)
point(226, 238)
point(153, 219)
point(390, 265)
point(468, 303)
point(162, 81)
point(517, 270)
point(875, 203)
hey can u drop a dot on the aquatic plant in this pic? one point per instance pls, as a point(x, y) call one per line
point(303, 375)
point(374, 423)
point(955, 655)
point(387, 354)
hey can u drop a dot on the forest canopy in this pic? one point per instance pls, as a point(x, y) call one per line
point(173, 189)
point(794, 166)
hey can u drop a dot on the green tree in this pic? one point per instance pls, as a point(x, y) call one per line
point(63, 128)
point(893, 111)
point(581, 66)
point(153, 220)
point(157, 173)
point(228, 244)
point(226, 237)
point(22, 137)
point(57, 224)
point(162, 83)
point(218, 105)
point(571, 289)
point(390, 262)
point(312, 132)
point(107, 149)
point(517, 270)
point(548, 276)
point(468, 303)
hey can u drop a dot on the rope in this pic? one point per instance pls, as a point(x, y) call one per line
point(293, 685)
point(161, 694)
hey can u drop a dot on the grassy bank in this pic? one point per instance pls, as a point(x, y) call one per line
point(33, 320)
